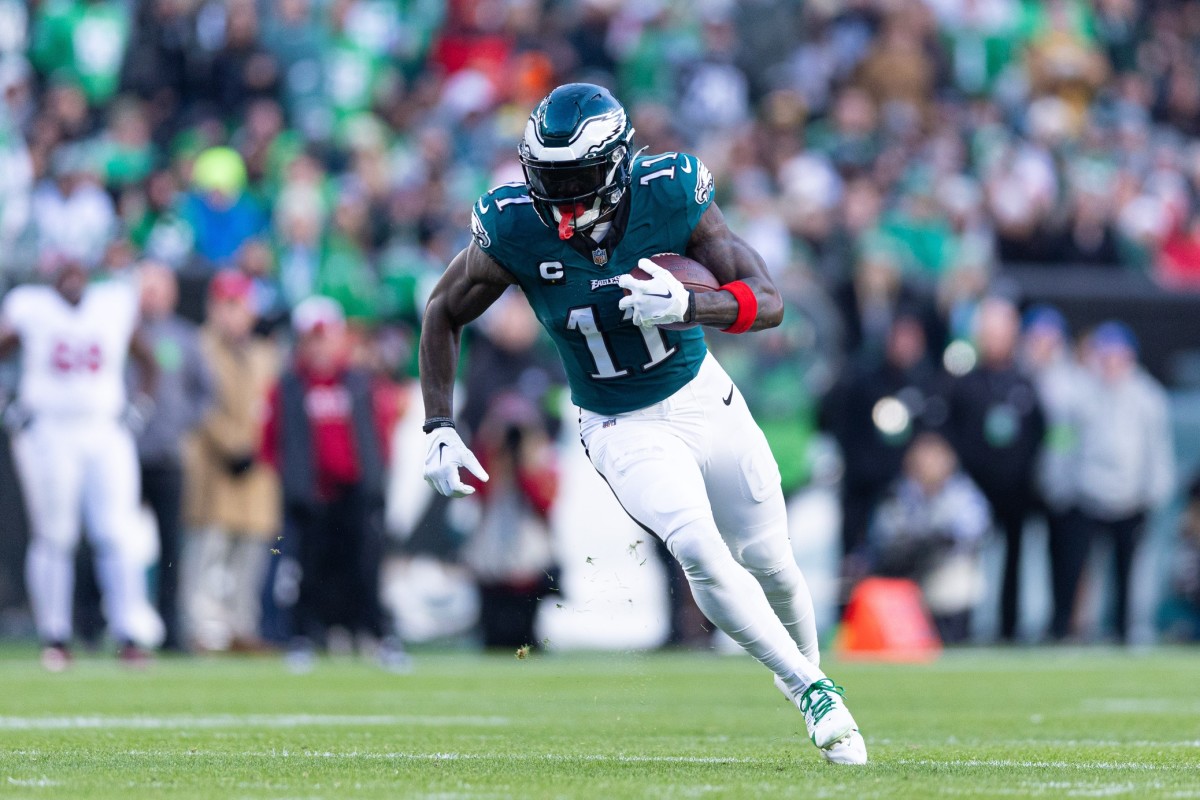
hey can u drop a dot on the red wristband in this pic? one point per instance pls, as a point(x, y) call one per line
point(747, 306)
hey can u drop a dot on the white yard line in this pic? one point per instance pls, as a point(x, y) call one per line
point(1185, 743)
point(1141, 705)
point(1058, 789)
point(617, 758)
point(1077, 789)
point(184, 722)
point(966, 742)
point(623, 758)
point(1133, 766)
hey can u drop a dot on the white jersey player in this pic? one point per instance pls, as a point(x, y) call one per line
point(75, 455)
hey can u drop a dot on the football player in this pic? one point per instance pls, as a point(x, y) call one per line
point(75, 452)
point(659, 418)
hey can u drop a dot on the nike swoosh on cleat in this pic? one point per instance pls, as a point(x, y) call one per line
point(729, 399)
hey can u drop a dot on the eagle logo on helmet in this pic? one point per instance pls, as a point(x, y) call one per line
point(577, 157)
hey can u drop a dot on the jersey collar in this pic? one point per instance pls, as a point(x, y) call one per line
point(600, 253)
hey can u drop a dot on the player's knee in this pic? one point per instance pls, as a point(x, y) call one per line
point(105, 541)
point(770, 560)
point(53, 543)
point(783, 579)
point(699, 549)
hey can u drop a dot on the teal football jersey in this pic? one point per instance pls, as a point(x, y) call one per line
point(612, 365)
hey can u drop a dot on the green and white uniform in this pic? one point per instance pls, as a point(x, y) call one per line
point(661, 421)
point(612, 365)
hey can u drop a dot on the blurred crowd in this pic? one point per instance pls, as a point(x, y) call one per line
point(888, 159)
point(1037, 424)
point(331, 146)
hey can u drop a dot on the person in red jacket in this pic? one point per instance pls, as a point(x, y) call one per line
point(326, 434)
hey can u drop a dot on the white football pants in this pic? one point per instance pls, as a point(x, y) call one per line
point(83, 472)
point(696, 471)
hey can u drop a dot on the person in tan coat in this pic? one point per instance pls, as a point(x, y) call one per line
point(898, 72)
point(232, 499)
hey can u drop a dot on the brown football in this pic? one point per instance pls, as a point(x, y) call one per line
point(692, 274)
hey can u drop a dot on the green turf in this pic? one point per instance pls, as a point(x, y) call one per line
point(976, 724)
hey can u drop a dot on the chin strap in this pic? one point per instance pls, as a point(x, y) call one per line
point(747, 306)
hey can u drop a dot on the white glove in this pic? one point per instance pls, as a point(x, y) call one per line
point(658, 301)
point(445, 454)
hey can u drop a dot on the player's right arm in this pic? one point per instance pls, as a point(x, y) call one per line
point(471, 283)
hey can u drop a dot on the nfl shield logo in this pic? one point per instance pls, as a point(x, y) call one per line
point(599, 257)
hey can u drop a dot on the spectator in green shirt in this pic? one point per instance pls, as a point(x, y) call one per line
point(86, 40)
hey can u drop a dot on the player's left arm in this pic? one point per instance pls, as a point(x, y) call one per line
point(730, 259)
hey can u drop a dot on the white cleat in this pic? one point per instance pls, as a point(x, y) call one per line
point(850, 750)
point(830, 726)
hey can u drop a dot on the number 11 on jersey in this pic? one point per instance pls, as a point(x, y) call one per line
point(583, 319)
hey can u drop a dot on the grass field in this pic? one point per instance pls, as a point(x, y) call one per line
point(975, 724)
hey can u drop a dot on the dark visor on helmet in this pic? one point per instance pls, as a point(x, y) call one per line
point(567, 183)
